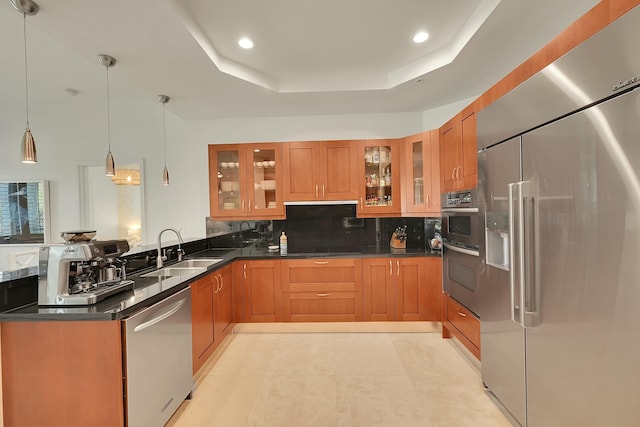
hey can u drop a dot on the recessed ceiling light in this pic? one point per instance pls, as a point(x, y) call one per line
point(245, 43)
point(420, 37)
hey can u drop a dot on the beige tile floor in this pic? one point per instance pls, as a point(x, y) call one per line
point(340, 379)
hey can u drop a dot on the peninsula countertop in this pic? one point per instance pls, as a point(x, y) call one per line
point(150, 290)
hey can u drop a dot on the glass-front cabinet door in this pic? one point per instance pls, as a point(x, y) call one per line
point(227, 180)
point(265, 184)
point(380, 164)
point(422, 173)
point(245, 181)
point(416, 169)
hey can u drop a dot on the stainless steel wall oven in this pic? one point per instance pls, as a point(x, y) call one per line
point(462, 231)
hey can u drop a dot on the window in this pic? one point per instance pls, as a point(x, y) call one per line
point(23, 212)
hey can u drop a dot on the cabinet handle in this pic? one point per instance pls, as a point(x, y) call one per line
point(249, 205)
point(398, 267)
point(322, 295)
point(361, 204)
point(217, 284)
point(321, 262)
point(316, 191)
point(461, 314)
point(427, 200)
point(243, 206)
point(453, 174)
point(221, 282)
point(323, 194)
point(245, 270)
point(390, 268)
point(458, 172)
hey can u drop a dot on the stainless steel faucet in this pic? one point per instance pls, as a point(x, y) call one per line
point(162, 258)
point(242, 234)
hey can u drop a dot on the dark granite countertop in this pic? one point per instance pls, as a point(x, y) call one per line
point(150, 290)
point(10, 276)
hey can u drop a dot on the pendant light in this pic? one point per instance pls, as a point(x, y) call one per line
point(165, 173)
point(108, 62)
point(29, 154)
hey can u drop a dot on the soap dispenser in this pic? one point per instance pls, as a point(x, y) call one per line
point(283, 244)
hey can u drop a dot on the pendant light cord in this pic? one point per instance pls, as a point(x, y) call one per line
point(26, 80)
point(108, 113)
point(164, 135)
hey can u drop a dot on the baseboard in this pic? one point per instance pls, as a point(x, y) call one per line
point(319, 327)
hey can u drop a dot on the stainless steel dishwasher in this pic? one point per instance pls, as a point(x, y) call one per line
point(158, 360)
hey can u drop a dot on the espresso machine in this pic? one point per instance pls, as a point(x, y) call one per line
point(81, 271)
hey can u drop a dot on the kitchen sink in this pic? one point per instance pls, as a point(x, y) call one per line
point(200, 262)
point(184, 268)
point(175, 271)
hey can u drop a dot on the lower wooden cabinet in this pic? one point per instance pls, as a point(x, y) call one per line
point(211, 314)
point(62, 373)
point(338, 289)
point(461, 323)
point(223, 306)
point(322, 290)
point(261, 291)
point(202, 320)
point(402, 288)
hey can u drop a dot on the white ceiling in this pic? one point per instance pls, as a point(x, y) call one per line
point(310, 57)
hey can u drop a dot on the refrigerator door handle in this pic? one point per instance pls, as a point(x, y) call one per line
point(514, 227)
point(530, 255)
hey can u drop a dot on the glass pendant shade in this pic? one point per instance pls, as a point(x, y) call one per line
point(29, 154)
point(165, 176)
point(110, 167)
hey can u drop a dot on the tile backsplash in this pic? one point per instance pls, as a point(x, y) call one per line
point(322, 228)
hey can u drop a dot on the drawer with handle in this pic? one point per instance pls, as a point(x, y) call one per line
point(463, 320)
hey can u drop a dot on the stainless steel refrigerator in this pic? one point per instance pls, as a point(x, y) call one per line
point(559, 188)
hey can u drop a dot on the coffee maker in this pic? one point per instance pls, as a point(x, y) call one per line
point(81, 272)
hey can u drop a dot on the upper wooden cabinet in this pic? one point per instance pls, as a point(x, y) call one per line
point(458, 152)
point(245, 180)
point(379, 177)
point(421, 179)
point(321, 170)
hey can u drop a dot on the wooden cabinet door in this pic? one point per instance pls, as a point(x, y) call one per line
point(434, 288)
point(379, 160)
point(227, 181)
point(432, 167)
point(421, 180)
point(261, 291)
point(265, 187)
point(302, 174)
point(449, 155)
point(378, 293)
point(469, 173)
point(340, 174)
point(411, 288)
point(223, 296)
point(202, 319)
point(413, 179)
